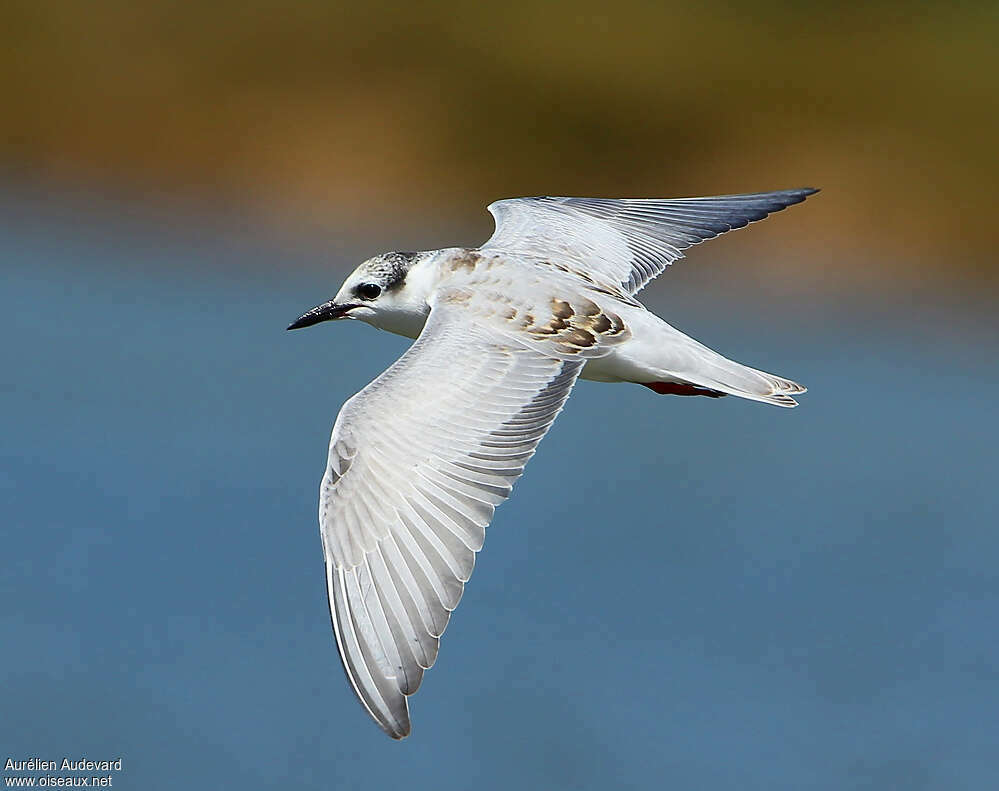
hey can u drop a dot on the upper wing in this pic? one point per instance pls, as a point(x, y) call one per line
point(418, 461)
point(624, 243)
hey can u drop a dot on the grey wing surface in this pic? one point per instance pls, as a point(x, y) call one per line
point(418, 462)
point(624, 243)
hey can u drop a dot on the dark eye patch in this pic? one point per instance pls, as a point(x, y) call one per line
point(368, 290)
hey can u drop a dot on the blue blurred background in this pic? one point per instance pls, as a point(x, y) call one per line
point(736, 596)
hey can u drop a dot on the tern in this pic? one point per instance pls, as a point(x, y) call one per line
point(420, 458)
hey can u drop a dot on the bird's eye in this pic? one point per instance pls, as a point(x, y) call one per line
point(369, 290)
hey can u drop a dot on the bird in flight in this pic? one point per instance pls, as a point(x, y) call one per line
point(420, 458)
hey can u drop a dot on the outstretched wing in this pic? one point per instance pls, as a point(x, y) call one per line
point(624, 243)
point(418, 462)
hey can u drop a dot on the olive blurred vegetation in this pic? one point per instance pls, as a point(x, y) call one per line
point(373, 110)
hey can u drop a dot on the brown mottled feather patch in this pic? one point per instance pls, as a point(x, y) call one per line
point(561, 309)
point(576, 326)
point(562, 325)
point(465, 261)
point(461, 297)
point(601, 324)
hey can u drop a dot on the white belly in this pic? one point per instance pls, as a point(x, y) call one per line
point(624, 364)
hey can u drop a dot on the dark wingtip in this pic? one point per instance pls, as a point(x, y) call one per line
point(791, 197)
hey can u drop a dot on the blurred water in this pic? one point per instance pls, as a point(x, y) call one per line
point(731, 596)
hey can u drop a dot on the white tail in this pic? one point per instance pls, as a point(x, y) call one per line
point(691, 362)
point(727, 376)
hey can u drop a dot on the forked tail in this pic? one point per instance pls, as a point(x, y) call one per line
point(694, 369)
point(749, 383)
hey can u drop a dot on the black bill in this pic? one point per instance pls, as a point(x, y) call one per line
point(328, 311)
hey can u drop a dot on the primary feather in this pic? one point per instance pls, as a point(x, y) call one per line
point(625, 242)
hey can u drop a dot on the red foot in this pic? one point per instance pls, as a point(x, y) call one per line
point(675, 388)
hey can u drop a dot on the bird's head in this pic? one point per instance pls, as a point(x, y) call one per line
point(386, 291)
